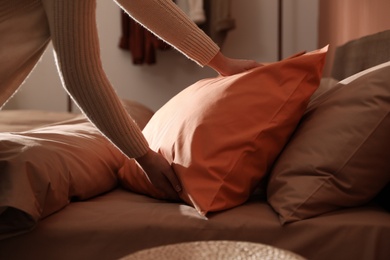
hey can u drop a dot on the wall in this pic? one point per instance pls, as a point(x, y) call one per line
point(255, 37)
point(341, 21)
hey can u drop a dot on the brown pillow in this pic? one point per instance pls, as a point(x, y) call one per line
point(339, 154)
point(43, 169)
point(222, 134)
point(325, 85)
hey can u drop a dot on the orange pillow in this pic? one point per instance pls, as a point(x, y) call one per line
point(223, 134)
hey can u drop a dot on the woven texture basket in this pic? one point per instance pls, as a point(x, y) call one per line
point(214, 250)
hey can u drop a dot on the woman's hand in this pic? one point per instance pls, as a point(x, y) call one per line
point(226, 66)
point(160, 174)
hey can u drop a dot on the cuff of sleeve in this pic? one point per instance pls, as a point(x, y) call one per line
point(199, 47)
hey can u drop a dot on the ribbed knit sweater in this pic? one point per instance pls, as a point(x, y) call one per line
point(27, 26)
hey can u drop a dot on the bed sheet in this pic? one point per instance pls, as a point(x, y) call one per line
point(22, 120)
point(48, 159)
point(120, 222)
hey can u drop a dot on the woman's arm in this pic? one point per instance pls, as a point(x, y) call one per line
point(75, 40)
point(169, 22)
point(226, 66)
point(76, 45)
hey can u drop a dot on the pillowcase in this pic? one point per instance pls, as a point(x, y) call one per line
point(325, 85)
point(43, 169)
point(222, 134)
point(339, 154)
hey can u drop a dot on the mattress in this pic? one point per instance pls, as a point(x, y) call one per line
point(120, 222)
point(117, 222)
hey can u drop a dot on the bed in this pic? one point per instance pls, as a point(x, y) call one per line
point(85, 207)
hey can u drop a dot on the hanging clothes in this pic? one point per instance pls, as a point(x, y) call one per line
point(141, 43)
point(218, 20)
point(212, 16)
point(194, 9)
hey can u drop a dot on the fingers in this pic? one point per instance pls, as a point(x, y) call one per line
point(252, 64)
point(160, 174)
point(161, 180)
point(236, 66)
point(172, 178)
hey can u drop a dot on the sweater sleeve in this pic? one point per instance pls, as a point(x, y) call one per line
point(169, 22)
point(75, 40)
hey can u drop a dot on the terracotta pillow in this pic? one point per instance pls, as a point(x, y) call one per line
point(339, 154)
point(223, 134)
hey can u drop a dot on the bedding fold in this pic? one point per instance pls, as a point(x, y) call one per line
point(48, 159)
point(43, 169)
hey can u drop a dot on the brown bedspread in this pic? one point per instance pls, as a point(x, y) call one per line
point(120, 222)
